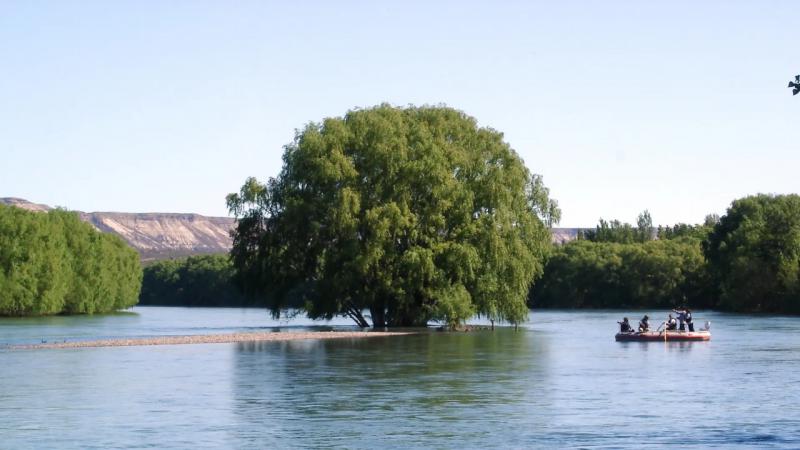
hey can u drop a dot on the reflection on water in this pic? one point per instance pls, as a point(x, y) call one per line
point(562, 381)
point(350, 389)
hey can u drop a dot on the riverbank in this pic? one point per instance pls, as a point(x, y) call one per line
point(211, 339)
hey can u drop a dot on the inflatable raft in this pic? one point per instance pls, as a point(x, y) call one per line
point(647, 336)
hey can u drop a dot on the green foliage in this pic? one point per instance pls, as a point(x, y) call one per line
point(414, 214)
point(194, 281)
point(613, 231)
point(539, 197)
point(684, 230)
point(55, 263)
point(662, 273)
point(746, 261)
point(644, 227)
point(621, 233)
point(754, 254)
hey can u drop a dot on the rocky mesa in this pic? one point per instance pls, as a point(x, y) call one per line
point(156, 235)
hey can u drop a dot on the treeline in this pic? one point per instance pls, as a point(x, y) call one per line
point(194, 281)
point(621, 233)
point(52, 263)
point(747, 261)
point(753, 255)
point(658, 274)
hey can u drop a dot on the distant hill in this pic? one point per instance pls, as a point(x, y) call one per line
point(156, 235)
point(169, 235)
point(24, 204)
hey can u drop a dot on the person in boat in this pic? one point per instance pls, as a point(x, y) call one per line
point(681, 312)
point(671, 324)
point(644, 324)
point(688, 318)
point(625, 326)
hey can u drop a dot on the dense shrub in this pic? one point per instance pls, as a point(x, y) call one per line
point(661, 273)
point(53, 263)
point(193, 281)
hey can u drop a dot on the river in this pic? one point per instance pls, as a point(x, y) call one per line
point(561, 381)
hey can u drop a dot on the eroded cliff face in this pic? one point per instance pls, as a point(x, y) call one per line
point(157, 235)
point(166, 235)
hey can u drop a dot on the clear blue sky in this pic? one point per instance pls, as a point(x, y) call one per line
point(678, 107)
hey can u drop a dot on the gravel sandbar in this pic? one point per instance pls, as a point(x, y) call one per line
point(212, 339)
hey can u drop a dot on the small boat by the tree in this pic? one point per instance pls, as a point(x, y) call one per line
point(672, 335)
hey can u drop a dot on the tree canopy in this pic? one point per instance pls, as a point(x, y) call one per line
point(653, 274)
point(681, 230)
point(622, 233)
point(414, 214)
point(754, 254)
point(54, 263)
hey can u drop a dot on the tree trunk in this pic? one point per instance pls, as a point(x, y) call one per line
point(408, 320)
point(378, 317)
point(411, 316)
point(358, 318)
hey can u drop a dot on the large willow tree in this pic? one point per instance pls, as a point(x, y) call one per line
point(413, 214)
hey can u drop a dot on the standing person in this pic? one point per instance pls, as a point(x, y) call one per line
point(689, 319)
point(644, 324)
point(681, 312)
point(625, 326)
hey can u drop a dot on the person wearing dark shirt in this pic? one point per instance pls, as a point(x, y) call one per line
point(681, 312)
point(625, 326)
point(688, 318)
point(644, 324)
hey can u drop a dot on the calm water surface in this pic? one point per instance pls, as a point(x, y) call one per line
point(561, 381)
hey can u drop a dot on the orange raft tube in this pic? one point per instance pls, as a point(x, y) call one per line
point(668, 336)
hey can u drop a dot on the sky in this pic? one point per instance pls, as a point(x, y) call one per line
point(167, 106)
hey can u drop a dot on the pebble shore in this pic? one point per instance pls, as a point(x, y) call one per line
point(212, 339)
